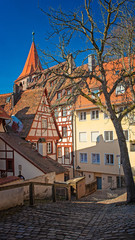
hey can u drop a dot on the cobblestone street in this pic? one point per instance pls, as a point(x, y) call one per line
point(80, 220)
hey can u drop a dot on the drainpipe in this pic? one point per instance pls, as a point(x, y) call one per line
point(74, 140)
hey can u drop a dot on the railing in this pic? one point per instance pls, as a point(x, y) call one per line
point(91, 187)
point(12, 196)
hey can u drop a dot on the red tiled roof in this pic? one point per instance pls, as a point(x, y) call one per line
point(8, 179)
point(26, 107)
point(3, 114)
point(32, 64)
point(45, 164)
point(111, 77)
point(3, 98)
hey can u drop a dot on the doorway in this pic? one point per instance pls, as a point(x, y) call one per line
point(99, 182)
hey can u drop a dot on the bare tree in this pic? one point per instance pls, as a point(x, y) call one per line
point(104, 40)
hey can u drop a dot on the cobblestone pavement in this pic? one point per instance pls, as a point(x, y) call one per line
point(80, 220)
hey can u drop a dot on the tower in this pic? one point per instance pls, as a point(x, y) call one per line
point(31, 70)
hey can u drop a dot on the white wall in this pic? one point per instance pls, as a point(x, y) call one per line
point(28, 170)
point(11, 198)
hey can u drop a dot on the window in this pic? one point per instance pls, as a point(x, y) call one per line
point(9, 165)
point(95, 158)
point(121, 109)
point(95, 136)
point(64, 131)
point(105, 116)
point(95, 92)
point(109, 179)
point(132, 146)
point(56, 113)
point(58, 95)
point(126, 134)
point(82, 137)
point(120, 89)
point(131, 117)
point(108, 135)
point(117, 72)
point(44, 123)
point(83, 157)
point(59, 152)
point(64, 112)
point(82, 116)
point(94, 114)
point(68, 92)
point(66, 150)
point(49, 147)
point(109, 159)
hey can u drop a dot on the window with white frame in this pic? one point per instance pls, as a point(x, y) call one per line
point(83, 157)
point(66, 152)
point(82, 137)
point(64, 131)
point(126, 134)
point(68, 91)
point(64, 112)
point(59, 152)
point(120, 89)
point(58, 95)
point(95, 136)
point(94, 114)
point(95, 158)
point(108, 135)
point(121, 109)
point(82, 116)
point(49, 147)
point(131, 117)
point(105, 116)
point(109, 159)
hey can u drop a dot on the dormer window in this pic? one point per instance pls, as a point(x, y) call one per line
point(117, 72)
point(120, 89)
point(68, 92)
point(64, 112)
point(58, 95)
point(95, 92)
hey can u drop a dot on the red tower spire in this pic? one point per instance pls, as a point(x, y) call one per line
point(32, 64)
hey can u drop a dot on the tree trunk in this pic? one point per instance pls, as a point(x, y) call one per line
point(125, 162)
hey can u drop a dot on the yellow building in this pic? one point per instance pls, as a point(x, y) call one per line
point(97, 154)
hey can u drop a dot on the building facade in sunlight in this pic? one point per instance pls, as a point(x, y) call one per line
point(76, 133)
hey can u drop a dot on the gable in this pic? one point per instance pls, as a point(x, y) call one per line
point(44, 124)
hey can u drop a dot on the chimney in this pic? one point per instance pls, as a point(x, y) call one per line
point(12, 101)
point(15, 88)
point(70, 63)
point(91, 62)
point(42, 147)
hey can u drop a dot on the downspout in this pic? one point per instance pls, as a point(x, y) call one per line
point(56, 151)
point(74, 140)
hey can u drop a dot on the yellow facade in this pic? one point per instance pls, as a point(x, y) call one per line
point(97, 150)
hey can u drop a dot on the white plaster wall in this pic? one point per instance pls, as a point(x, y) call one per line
point(28, 170)
point(11, 198)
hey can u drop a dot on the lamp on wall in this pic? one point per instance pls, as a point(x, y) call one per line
point(78, 167)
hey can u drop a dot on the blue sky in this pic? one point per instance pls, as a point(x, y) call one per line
point(18, 18)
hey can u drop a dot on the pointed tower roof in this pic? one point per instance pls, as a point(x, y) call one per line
point(32, 64)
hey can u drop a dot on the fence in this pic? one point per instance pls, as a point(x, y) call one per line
point(13, 195)
point(91, 187)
